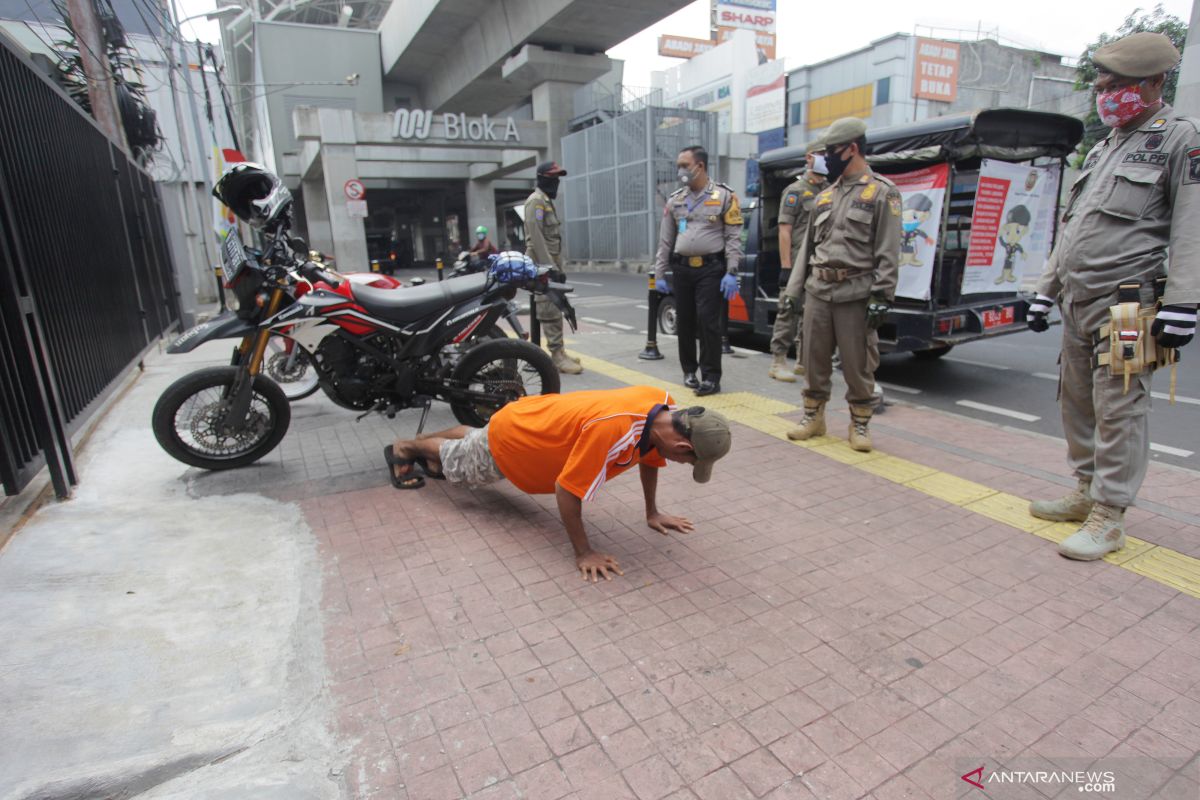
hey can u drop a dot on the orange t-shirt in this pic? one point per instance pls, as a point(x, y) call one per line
point(578, 440)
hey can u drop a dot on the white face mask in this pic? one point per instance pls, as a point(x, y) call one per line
point(819, 165)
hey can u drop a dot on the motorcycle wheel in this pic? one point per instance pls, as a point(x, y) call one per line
point(184, 416)
point(506, 368)
point(293, 372)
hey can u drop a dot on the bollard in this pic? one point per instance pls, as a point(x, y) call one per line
point(650, 353)
point(440, 267)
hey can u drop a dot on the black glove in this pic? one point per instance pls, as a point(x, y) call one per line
point(1039, 311)
point(877, 308)
point(1174, 326)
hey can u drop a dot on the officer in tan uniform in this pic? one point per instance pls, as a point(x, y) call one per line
point(794, 208)
point(846, 270)
point(1138, 194)
point(543, 243)
point(700, 238)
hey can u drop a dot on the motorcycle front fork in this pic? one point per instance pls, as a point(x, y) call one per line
point(249, 358)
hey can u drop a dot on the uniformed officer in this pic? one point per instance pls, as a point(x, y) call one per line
point(794, 207)
point(701, 240)
point(1138, 194)
point(543, 243)
point(846, 270)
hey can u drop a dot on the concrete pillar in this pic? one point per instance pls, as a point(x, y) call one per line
point(1187, 93)
point(554, 103)
point(316, 215)
point(481, 210)
point(339, 164)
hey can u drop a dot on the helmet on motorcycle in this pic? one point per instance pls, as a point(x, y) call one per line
point(254, 194)
point(482, 229)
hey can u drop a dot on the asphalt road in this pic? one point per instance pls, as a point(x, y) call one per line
point(1011, 380)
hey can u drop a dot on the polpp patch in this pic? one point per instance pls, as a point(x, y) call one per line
point(1193, 170)
point(1153, 142)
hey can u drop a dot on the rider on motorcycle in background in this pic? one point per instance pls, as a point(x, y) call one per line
point(483, 245)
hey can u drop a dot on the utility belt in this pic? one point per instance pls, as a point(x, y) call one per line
point(1132, 350)
point(708, 259)
point(832, 275)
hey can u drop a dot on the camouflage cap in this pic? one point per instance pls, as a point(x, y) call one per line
point(844, 131)
point(710, 436)
point(1138, 55)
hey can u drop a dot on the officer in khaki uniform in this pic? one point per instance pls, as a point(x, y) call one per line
point(543, 243)
point(794, 208)
point(1138, 194)
point(700, 238)
point(847, 271)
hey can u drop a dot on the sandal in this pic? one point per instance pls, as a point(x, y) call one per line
point(409, 481)
point(429, 473)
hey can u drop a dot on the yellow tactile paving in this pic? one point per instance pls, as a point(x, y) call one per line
point(1161, 564)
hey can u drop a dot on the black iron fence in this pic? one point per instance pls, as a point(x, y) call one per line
point(86, 280)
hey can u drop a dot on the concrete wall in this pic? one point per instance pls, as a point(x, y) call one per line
point(313, 55)
point(1187, 95)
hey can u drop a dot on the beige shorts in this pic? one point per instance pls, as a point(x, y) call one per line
point(469, 459)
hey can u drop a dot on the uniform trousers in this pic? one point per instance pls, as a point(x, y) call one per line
point(698, 309)
point(1107, 428)
point(842, 326)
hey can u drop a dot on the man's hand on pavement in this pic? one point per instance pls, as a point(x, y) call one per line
point(665, 523)
point(593, 565)
point(1039, 310)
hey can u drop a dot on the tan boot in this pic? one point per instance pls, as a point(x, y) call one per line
point(563, 363)
point(1102, 533)
point(779, 369)
point(860, 436)
point(1074, 507)
point(572, 356)
point(813, 424)
point(798, 369)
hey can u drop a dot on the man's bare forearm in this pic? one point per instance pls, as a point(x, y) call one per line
point(785, 247)
point(570, 509)
point(649, 488)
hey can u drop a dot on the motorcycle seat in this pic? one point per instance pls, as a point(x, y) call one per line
point(410, 304)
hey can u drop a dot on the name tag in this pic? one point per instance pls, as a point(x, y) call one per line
point(683, 224)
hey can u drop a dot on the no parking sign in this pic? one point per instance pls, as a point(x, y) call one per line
point(355, 189)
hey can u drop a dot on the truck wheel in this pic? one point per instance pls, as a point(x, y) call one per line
point(933, 353)
point(667, 322)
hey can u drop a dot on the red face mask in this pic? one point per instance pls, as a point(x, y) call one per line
point(1118, 107)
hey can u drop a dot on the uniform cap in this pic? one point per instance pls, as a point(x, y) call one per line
point(815, 146)
point(710, 436)
point(844, 131)
point(1138, 55)
point(551, 168)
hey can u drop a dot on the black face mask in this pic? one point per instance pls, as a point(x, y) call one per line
point(548, 185)
point(835, 163)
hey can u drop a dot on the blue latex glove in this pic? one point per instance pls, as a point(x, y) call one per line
point(729, 286)
point(661, 286)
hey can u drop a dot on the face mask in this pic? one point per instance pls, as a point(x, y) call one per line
point(909, 227)
point(548, 185)
point(819, 166)
point(685, 175)
point(481, 236)
point(836, 164)
point(1120, 106)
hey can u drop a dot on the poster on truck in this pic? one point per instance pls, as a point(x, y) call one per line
point(1011, 227)
point(922, 193)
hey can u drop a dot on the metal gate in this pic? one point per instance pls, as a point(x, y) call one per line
point(619, 174)
point(88, 282)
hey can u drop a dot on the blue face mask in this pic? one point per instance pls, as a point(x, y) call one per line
point(481, 236)
point(909, 227)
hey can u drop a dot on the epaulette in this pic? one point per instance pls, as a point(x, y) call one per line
point(725, 186)
point(680, 190)
point(884, 180)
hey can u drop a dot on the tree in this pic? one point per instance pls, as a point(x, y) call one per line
point(1157, 21)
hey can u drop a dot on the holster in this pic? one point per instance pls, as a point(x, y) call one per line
point(1132, 349)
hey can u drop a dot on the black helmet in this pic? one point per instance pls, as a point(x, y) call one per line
point(254, 194)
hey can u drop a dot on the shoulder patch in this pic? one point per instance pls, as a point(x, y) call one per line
point(540, 213)
point(733, 215)
point(1193, 168)
point(894, 204)
point(791, 199)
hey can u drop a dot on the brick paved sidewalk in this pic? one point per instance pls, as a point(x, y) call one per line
point(824, 633)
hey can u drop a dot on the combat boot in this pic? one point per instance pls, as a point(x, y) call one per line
point(563, 363)
point(813, 424)
point(1102, 533)
point(1074, 507)
point(799, 368)
point(779, 369)
point(860, 436)
point(572, 356)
